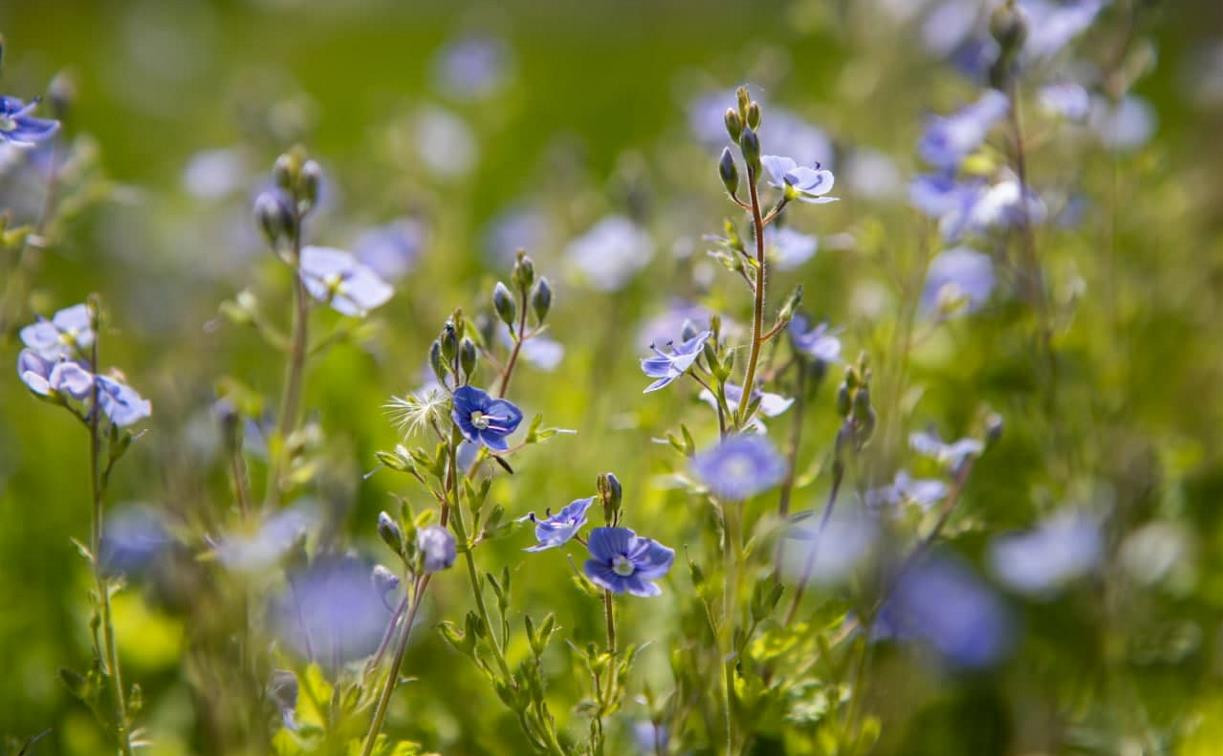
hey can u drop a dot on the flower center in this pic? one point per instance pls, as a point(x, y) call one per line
point(334, 283)
point(479, 419)
point(7, 124)
point(622, 566)
point(739, 468)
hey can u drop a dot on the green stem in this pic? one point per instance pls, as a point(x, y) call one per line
point(609, 615)
point(838, 474)
point(731, 553)
point(749, 377)
point(98, 492)
point(295, 370)
point(519, 338)
point(384, 699)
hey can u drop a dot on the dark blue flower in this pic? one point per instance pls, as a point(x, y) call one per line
point(558, 528)
point(623, 562)
point(483, 419)
point(949, 139)
point(18, 127)
point(819, 342)
point(666, 367)
point(799, 182)
point(121, 403)
point(740, 467)
point(335, 277)
point(67, 334)
point(46, 377)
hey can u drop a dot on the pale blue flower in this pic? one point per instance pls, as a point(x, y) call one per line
point(666, 366)
point(258, 549)
point(950, 455)
point(557, 529)
point(827, 553)
point(331, 611)
point(819, 341)
point(1123, 126)
point(392, 250)
point(437, 547)
point(740, 467)
point(132, 539)
point(472, 68)
point(121, 403)
point(611, 252)
point(445, 143)
point(1063, 547)
point(335, 277)
point(949, 139)
point(67, 334)
point(47, 377)
point(799, 182)
point(958, 280)
point(1066, 99)
point(1052, 24)
point(790, 248)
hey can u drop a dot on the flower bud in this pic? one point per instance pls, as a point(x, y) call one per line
point(734, 124)
point(284, 172)
point(744, 100)
point(541, 299)
point(611, 493)
point(993, 428)
point(435, 361)
point(274, 216)
point(389, 532)
point(308, 182)
point(1008, 25)
point(753, 115)
point(749, 144)
point(728, 172)
point(504, 304)
point(844, 401)
point(231, 423)
point(524, 271)
point(385, 582)
point(437, 548)
point(450, 343)
point(61, 93)
point(467, 357)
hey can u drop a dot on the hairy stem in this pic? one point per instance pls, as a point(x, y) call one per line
point(518, 338)
point(290, 403)
point(749, 377)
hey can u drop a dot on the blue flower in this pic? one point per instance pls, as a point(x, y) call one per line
point(331, 610)
point(666, 367)
point(46, 377)
point(67, 334)
point(121, 403)
point(133, 539)
point(1122, 126)
point(18, 127)
point(260, 549)
point(1065, 99)
point(558, 528)
point(740, 467)
point(818, 342)
point(472, 68)
point(959, 280)
point(335, 277)
point(924, 492)
point(611, 252)
point(624, 562)
point(771, 405)
point(940, 195)
point(483, 419)
point(391, 251)
point(1060, 549)
point(951, 455)
point(437, 546)
point(940, 602)
point(827, 553)
point(949, 139)
point(790, 248)
point(799, 182)
point(541, 351)
point(1052, 24)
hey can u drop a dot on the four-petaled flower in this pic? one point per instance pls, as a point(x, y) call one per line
point(335, 277)
point(665, 367)
point(558, 528)
point(483, 419)
point(624, 562)
point(46, 377)
point(818, 342)
point(18, 127)
point(66, 334)
point(799, 182)
point(740, 467)
point(121, 403)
